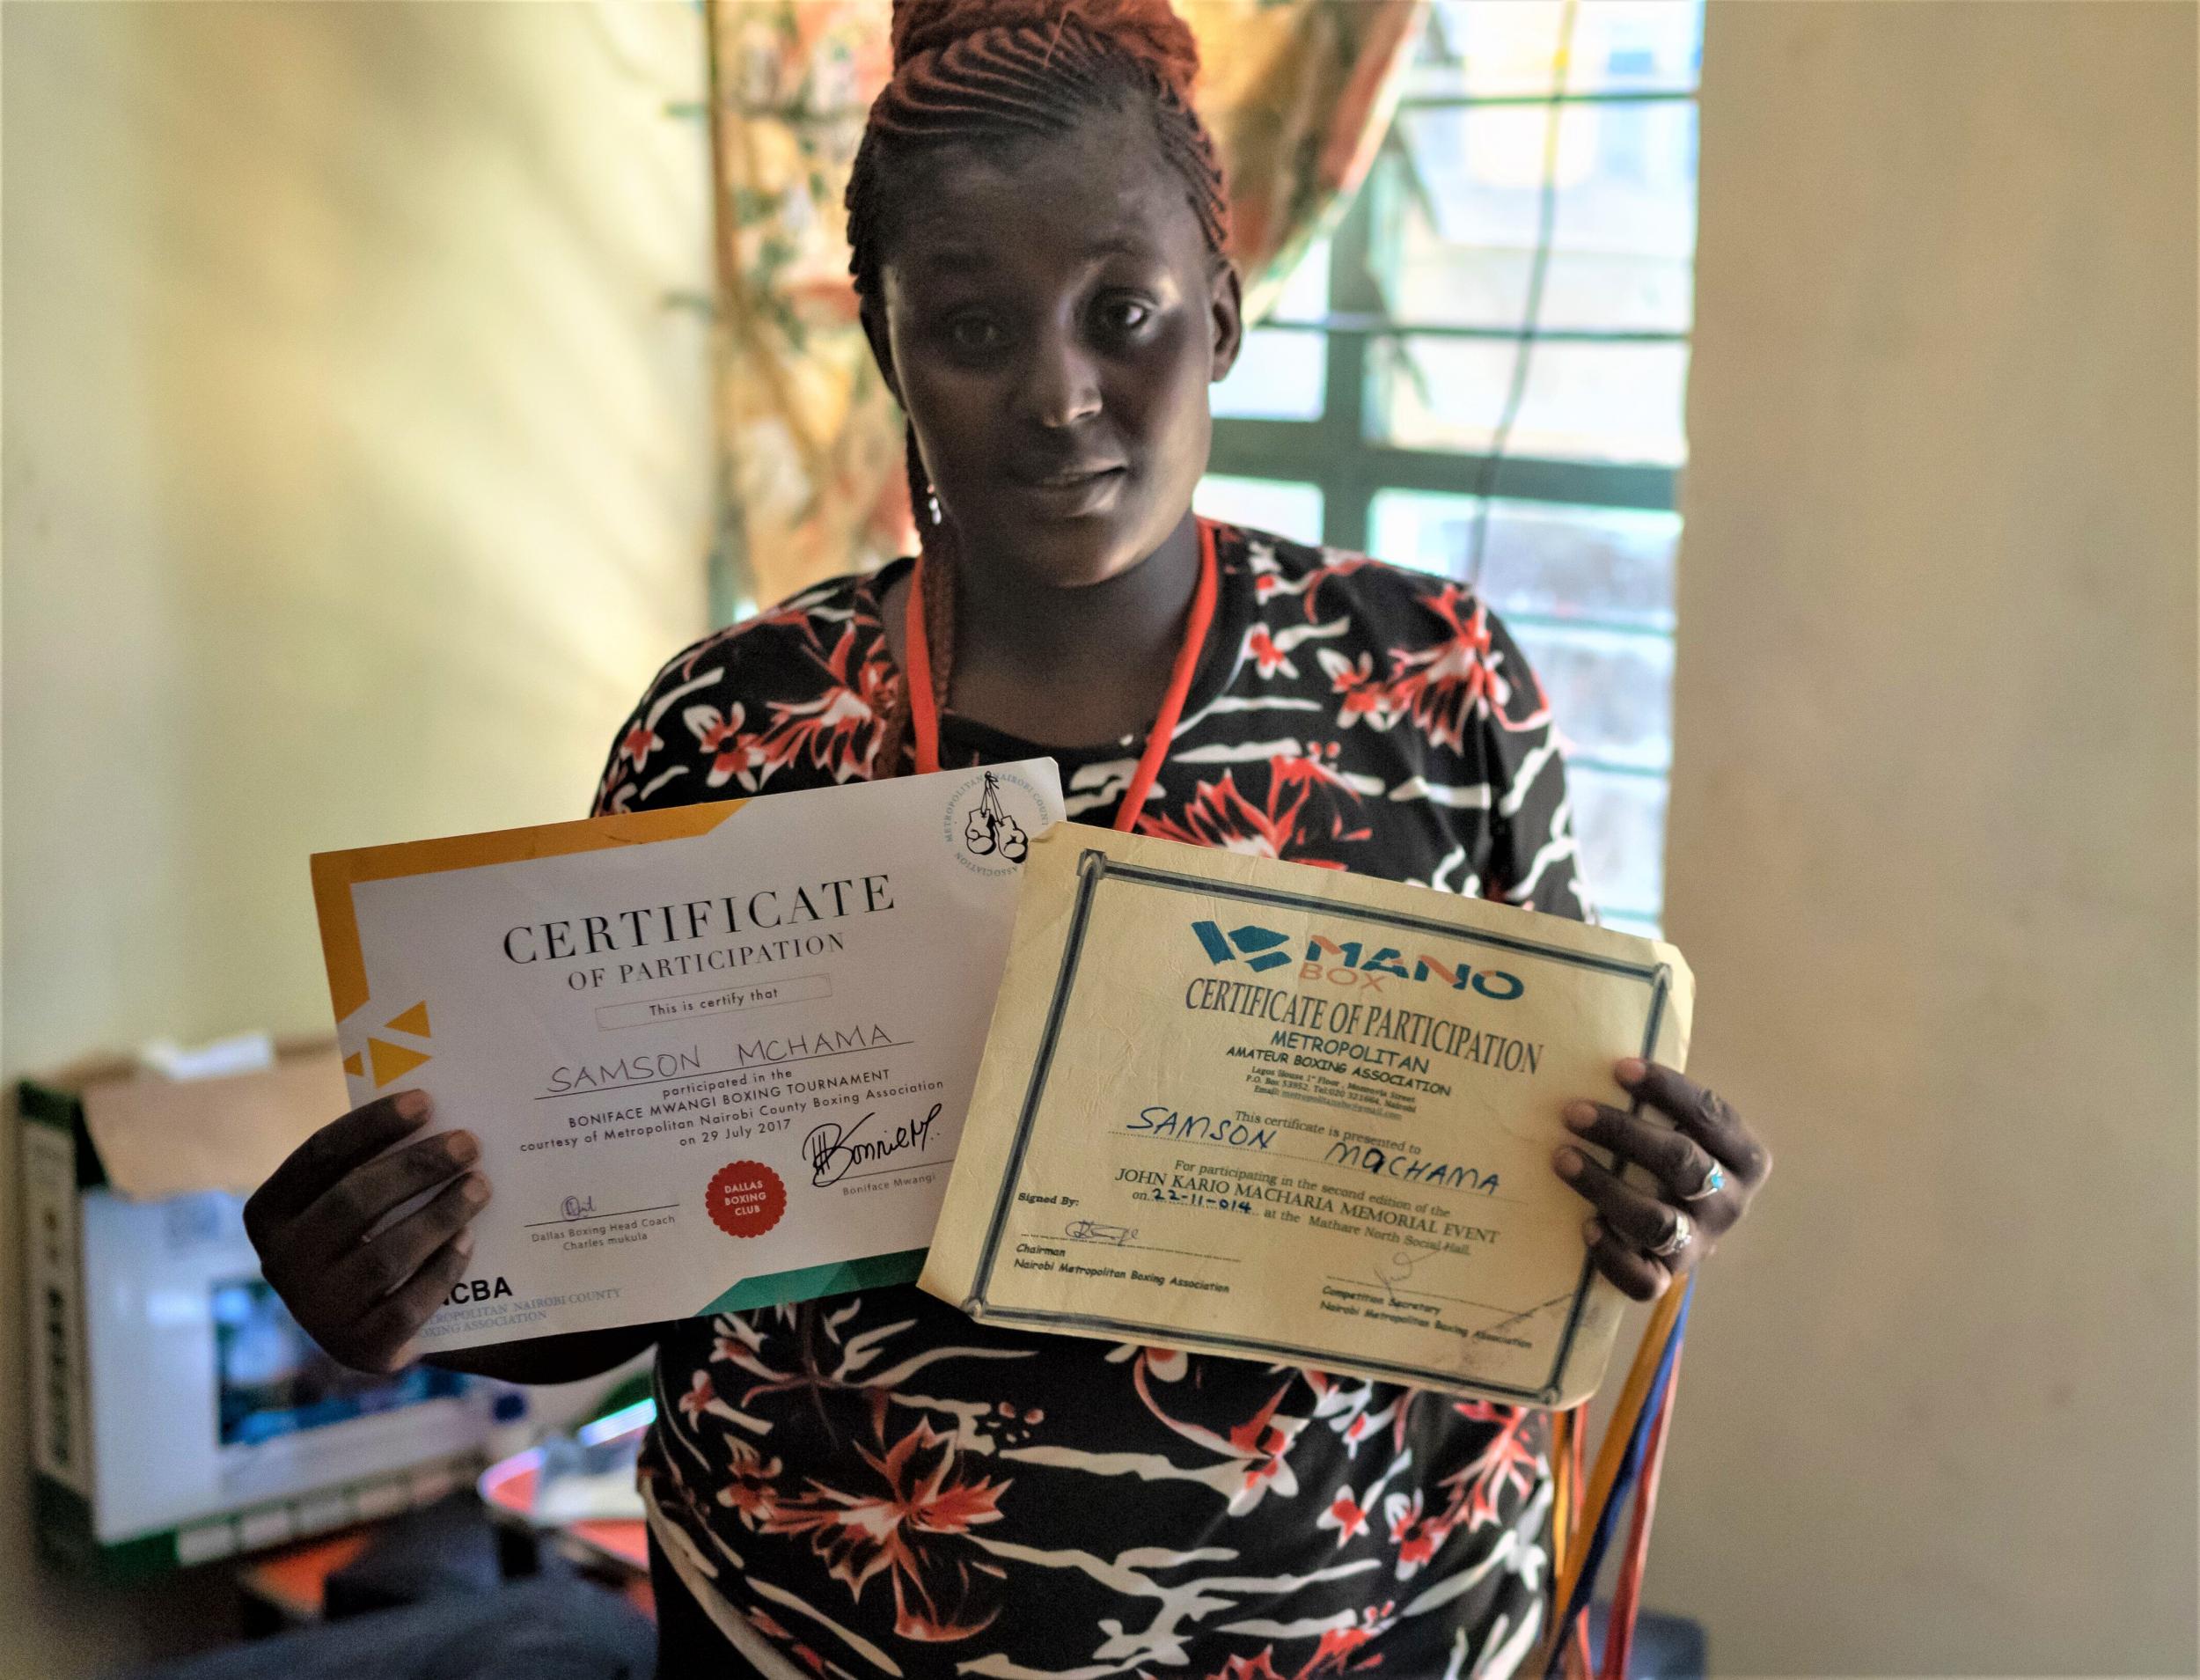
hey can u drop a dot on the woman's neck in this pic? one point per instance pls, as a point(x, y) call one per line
point(1071, 667)
point(1006, 619)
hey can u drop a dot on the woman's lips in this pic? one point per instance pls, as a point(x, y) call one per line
point(1072, 497)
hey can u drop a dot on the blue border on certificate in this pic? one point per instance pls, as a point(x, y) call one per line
point(1093, 868)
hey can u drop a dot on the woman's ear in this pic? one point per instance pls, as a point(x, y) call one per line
point(872, 313)
point(1226, 306)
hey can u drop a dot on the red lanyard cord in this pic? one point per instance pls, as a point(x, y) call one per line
point(924, 711)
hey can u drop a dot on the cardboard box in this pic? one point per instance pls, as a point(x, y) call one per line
point(178, 1413)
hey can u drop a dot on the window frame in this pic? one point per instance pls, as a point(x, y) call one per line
point(1334, 453)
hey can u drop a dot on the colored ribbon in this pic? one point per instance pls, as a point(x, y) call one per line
point(1636, 1435)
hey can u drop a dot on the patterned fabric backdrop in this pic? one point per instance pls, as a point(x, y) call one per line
point(1298, 94)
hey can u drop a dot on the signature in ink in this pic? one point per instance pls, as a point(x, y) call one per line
point(1530, 1312)
point(834, 1151)
point(1397, 1267)
point(574, 1206)
point(1090, 1230)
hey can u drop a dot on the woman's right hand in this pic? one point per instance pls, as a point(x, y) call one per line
point(363, 1300)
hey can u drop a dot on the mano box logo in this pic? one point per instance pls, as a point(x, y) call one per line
point(1350, 962)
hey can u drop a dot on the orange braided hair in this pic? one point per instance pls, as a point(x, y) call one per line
point(995, 70)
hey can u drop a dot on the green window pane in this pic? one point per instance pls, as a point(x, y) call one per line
point(1292, 511)
point(1305, 296)
point(1508, 49)
point(1620, 822)
point(1611, 694)
point(1590, 402)
point(1539, 559)
point(1280, 375)
point(1623, 238)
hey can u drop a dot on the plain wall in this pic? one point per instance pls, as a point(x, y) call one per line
point(1932, 840)
point(356, 477)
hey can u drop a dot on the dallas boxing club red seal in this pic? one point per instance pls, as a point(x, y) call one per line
point(746, 1198)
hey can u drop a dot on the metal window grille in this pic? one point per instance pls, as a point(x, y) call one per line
point(1405, 371)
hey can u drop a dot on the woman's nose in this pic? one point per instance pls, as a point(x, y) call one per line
point(1061, 384)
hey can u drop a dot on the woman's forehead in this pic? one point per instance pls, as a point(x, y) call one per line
point(1100, 189)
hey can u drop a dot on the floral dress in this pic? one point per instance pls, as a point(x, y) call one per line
point(875, 1484)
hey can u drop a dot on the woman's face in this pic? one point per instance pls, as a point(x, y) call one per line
point(1053, 318)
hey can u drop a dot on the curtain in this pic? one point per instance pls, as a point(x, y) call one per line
point(1297, 92)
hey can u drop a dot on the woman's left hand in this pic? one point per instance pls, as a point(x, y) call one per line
point(1706, 1165)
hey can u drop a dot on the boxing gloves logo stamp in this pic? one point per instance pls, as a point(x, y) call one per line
point(990, 822)
point(991, 829)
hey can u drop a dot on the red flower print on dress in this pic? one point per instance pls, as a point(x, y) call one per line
point(1223, 817)
point(1336, 564)
point(1317, 767)
point(1365, 698)
point(1268, 658)
point(904, 1528)
point(1267, 573)
point(1339, 1643)
point(736, 1340)
point(733, 753)
point(838, 732)
point(1345, 1517)
point(750, 1494)
point(1417, 1540)
point(1261, 1441)
point(1446, 685)
point(1346, 1405)
point(1509, 1461)
point(1257, 1667)
point(699, 1398)
point(638, 743)
point(768, 1624)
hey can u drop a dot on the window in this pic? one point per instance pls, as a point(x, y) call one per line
point(1480, 374)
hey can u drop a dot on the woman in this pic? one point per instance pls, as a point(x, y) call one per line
point(875, 1485)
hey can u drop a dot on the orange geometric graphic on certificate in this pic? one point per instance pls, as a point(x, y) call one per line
point(354, 1065)
point(413, 1020)
point(391, 1061)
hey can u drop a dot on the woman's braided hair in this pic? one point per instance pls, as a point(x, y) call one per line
point(990, 73)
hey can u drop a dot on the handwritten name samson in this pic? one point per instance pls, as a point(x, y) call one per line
point(1375, 1021)
point(659, 925)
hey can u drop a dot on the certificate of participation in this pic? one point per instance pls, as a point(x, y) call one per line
point(717, 1056)
point(1291, 1114)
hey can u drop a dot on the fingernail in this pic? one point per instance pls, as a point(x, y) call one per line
point(1580, 1116)
point(1631, 1071)
point(412, 1105)
point(462, 1147)
point(474, 1188)
point(462, 1244)
point(1567, 1161)
point(1592, 1233)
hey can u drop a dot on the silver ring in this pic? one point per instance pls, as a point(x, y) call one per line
point(1714, 1181)
point(1683, 1234)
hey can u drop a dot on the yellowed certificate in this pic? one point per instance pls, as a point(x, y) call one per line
point(1293, 1115)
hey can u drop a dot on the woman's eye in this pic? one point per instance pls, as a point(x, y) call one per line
point(973, 333)
point(1125, 314)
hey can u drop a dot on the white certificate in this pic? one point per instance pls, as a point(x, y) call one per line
point(1294, 1115)
point(717, 1056)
